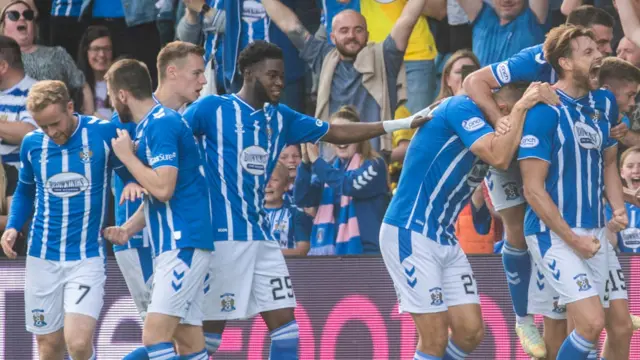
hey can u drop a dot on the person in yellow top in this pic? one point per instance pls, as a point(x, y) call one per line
point(400, 137)
point(421, 51)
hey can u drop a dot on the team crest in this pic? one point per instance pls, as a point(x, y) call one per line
point(557, 308)
point(436, 296)
point(227, 302)
point(320, 235)
point(582, 281)
point(511, 190)
point(85, 155)
point(38, 318)
point(596, 115)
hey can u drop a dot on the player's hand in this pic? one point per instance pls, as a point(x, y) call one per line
point(586, 246)
point(423, 116)
point(194, 5)
point(117, 235)
point(122, 145)
point(312, 152)
point(619, 221)
point(619, 131)
point(503, 126)
point(8, 240)
point(539, 92)
point(132, 192)
point(304, 154)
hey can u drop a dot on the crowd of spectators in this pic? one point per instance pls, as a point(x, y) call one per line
point(354, 63)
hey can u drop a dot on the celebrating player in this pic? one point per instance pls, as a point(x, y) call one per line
point(167, 163)
point(64, 170)
point(445, 162)
point(180, 78)
point(568, 163)
point(243, 135)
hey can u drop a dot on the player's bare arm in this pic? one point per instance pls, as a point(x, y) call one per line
point(120, 235)
point(14, 132)
point(403, 27)
point(629, 20)
point(534, 172)
point(478, 86)
point(613, 190)
point(287, 21)
point(160, 183)
point(498, 150)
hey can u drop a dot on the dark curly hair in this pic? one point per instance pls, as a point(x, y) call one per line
point(257, 52)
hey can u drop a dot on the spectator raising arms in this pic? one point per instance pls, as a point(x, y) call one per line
point(95, 56)
point(43, 62)
point(353, 187)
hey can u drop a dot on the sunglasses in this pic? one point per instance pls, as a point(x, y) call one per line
point(14, 15)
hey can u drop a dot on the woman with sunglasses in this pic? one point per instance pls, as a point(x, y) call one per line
point(18, 20)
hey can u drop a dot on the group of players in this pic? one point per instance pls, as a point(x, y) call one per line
point(553, 176)
point(196, 251)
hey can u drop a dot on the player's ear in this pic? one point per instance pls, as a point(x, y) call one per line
point(70, 108)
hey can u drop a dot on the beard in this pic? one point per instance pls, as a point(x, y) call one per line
point(342, 48)
point(262, 94)
point(124, 112)
point(583, 79)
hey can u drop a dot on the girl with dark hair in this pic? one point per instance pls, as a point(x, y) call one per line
point(95, 56)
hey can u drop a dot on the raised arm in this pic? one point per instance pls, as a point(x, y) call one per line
point(403, 27)
point(471, 8)
point(479, 85)
point(287, 22)
point(569, 5)
point(436, 9)
point(629, 20)
point(541, 9)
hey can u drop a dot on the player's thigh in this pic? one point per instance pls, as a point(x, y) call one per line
point(273, 288)
point(179, 278)
point(415, 267)
point(200, 268)
point(598, 266)
point(136, 266)
point(231, 280)
point(565, 271)
point(543, 299)
point(78, 331)
point(84, 289)
point(44, 296)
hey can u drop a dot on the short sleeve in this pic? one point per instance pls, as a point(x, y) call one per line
point(524, 66)
point(26, 167)
point(201, 113)
point(467, 122)
point(163, 139)
point(302, 128)
point(538, 133)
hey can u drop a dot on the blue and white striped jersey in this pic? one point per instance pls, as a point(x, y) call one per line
point(572, 138)
point(69, 8)
point(125, 211)
point(72, 181)
point(255, 23)
point(289, 225)
point(439, 172)
point(629, 238)
point(13, 108)
point(242, 146)
point(528, 65)
point(163, 138)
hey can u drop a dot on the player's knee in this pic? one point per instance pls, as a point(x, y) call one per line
point(470, 333)
point(591, 325)
point(620, 329)
point(50, 346)
point(80, 348)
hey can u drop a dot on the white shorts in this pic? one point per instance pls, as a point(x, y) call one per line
point(248, 278)
point(54, 288)
point(136, 266)
point(572, 277)
point(428, 277)
point(543, 298)
point(616, 283)
point(505, 187)
point(179, 283)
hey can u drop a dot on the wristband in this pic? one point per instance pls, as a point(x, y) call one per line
point(394, 125)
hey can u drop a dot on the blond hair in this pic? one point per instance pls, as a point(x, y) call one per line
point(281, 170)
point(45, 93)
point(349, 113)
point(173, 52)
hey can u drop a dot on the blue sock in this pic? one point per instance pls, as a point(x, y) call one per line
point(454, 353)
point(200, 355)
point(161, 351)
point(593, 355)
point(517, 266)
point(137, 354)
point(212, 342)
point(284, 342)
point(575, 347)
point(419, 355)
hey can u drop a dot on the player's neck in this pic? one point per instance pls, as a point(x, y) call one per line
point(276, 204)
point(570, 88)
point(168, 98)
point(11, 79)
point(248, 97)
point(140, 109)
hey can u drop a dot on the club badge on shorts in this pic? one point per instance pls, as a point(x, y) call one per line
point(38, 318)
point(227, 302)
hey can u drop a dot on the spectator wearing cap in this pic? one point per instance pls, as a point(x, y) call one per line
point(17, 21)
point(506, 28)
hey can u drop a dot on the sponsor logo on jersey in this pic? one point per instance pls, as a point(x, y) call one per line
point(503, 73)
point(67, 184)
point(587, 136)
point(473, 124)
point(254, 160)
point(162, 157)
point(529, 141)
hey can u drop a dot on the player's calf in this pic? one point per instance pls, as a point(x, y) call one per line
point(78, 335)
point(433, 333)
point(51, 346)
point(555, 331)
point(589, 320)
point(284, 332)
point(619, 331)
point(213, 335)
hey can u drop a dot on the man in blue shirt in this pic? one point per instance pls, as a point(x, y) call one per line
point(505, 187)
point(243, 135)
point(65, 168)
point(568, 164)
point(165, 161)
point(446, 160)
